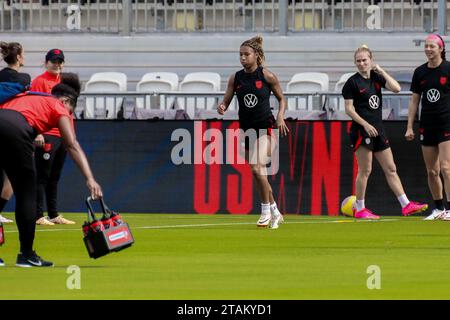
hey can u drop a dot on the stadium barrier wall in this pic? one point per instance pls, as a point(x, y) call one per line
point(132, 161)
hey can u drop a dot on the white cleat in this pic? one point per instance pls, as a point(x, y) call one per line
point(61, 220)
point(5, 220)
point(44, 221)
point(264, 220)
point(276, 221)
point(437, 214)
point(446, 216)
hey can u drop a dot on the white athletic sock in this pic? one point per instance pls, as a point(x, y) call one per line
point(403, 199)
point(359, 205)
point(274, 209)
point(265, 208)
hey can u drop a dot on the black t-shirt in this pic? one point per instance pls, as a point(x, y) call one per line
point(11, 75)
point(253, 94)
point(366, 96)
point(433, 85)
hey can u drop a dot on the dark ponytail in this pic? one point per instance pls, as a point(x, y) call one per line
point(10, 51)
point(443, 48)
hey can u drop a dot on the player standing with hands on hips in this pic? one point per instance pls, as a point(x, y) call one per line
point(252, 86)
point(21, 119)
point(431, 86)
point(363, 103)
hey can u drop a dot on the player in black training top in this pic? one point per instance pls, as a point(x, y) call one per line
point(14, 55)
point(431, 86)
point(252, 86)
point(363, 103)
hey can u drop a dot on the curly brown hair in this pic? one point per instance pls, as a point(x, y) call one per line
point(256, 44)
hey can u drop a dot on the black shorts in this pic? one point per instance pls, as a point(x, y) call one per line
point(433, 136)
point(359, 137)
point(261, 129)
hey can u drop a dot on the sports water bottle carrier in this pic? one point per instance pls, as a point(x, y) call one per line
point(106, 235)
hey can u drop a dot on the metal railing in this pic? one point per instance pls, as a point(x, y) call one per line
point(282, 16)
point(194, 105)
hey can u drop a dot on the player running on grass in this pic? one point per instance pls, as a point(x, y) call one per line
point(252, 86)
point(431, 85)
point(363, 103)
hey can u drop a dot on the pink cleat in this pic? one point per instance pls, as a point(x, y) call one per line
point(365, 214)
point(413, 207)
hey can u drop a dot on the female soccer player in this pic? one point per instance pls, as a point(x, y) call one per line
point(14, 55)
point(20, 120)
point(252, 86)
point(50, 152)
point(431, 85)
point(363, 103)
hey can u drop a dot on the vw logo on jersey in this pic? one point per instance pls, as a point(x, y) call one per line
point(46, 156)
point(374, 102)
point(250, 100)
point(433, 95)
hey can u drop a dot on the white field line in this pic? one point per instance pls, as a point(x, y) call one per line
point(221, 224)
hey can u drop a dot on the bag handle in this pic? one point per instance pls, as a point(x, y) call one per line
point(91, 213)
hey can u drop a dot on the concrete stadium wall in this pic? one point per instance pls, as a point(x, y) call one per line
point(286, 55)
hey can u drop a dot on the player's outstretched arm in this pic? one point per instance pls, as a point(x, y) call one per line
point(76, 152)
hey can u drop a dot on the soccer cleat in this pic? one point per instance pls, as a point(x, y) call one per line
point(365, 214)
point(413, 207)
point(436, 214)
point(44, 222)
point(2, 264)
point(33, 260)
point(61, 220)
point(264, 220)
point(276, 221)
point(5, 220)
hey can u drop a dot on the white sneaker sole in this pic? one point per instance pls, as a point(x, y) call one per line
point(264, 223)
point(280, 221)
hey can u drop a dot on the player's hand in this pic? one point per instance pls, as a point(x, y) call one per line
point(371, 131)
point(221, 108)
point(282, 126)
point(95, 189)
point(409, 135)
point(39, 141)
point(377, 68)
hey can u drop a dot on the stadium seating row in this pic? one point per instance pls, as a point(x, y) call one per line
point(199, 83)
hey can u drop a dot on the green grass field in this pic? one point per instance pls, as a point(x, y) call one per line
point(228, 257)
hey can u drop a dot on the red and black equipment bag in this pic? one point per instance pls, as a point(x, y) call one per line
point(2, 234)
point(109, 234)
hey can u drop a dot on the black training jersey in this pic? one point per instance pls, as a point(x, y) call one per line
point(433, 85)
point(253, 94)
point(366, 96)
point(11, 75)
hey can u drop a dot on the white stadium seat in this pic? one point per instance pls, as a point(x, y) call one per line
point(306, 82)
point(101, 107)
point(157, 82)
point(199, 82)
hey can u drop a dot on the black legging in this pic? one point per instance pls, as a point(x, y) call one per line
point(17, 137)
point(49, 164)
